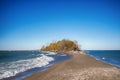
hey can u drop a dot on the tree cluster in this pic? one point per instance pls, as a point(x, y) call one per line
point(62, 45)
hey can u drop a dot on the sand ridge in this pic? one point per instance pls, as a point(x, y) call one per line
point(80, 67)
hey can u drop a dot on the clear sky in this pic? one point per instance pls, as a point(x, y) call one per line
point(29, 24)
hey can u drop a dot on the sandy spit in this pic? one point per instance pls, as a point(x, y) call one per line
point(80, 67)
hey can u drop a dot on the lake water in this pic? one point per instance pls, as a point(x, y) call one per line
point(17, 65)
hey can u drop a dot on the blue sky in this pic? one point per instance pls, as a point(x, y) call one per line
point(29, 24)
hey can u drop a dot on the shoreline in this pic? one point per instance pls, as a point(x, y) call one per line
point(60, 58)
point(80, 67)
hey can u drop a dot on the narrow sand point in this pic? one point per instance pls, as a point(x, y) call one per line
point(80, 67)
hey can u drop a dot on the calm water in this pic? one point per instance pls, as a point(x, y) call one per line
point(21, 64)
point(108, 56)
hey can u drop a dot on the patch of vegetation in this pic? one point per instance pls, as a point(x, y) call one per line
point(61, 46)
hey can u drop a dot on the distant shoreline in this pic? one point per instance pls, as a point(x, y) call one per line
point(81, 66)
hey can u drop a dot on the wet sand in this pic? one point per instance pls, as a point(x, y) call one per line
point(80, 67)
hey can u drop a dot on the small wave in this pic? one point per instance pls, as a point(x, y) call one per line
point(63, 55)
point(12, 68)
point(103, 58)
point(51, 53)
